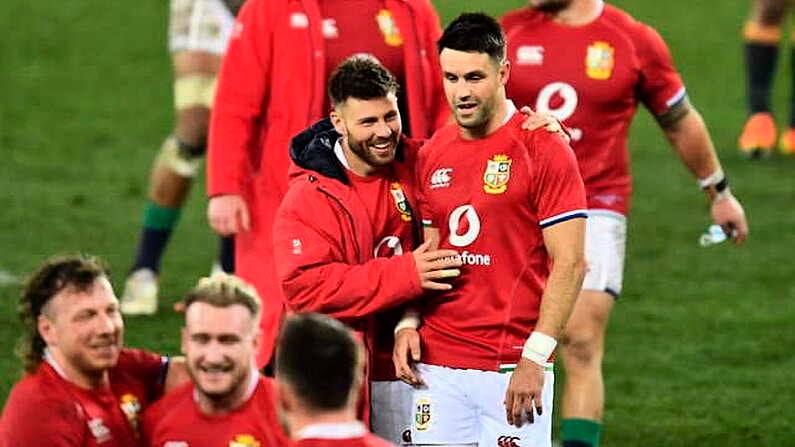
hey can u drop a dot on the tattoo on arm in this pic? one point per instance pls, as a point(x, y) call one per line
point(668, 119)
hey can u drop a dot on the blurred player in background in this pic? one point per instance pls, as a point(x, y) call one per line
point(319, 371)
point(590, 64)
point(762, 36)
point(359, 165)
point(272, 86)
point(512, 203)
point(198, 34)
point(81, 387)
point(227, 402)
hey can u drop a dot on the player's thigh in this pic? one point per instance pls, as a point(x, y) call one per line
point(769, 12)
point(443, 412)
point(199, 26)
point(391, 410)
point(605, 251)
point(490, 388)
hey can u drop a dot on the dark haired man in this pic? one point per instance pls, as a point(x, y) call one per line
point(581, 59)
point(82, 388)
point(513, 204)
point(227, 401)
point(271, 86)
point(319, 371)
point(345, 232)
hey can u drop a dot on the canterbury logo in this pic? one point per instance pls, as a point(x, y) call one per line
point(441, 178)
point(507, 441)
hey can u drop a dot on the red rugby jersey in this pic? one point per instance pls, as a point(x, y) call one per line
point(592, 77)
point(490, 199)
point(176, 420)
point(45, 409)
point(387, 205)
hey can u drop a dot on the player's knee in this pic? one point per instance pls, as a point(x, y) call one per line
point(180, 157)
point(582, 347)
point(194, 91)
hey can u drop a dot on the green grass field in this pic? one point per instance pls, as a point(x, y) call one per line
point(700, 344)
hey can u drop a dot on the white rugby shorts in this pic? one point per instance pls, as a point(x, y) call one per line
point(605, 248)
point(199, 25)
point(465, 406)
point(391, 410)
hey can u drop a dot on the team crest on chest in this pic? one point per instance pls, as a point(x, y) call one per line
point(600, 60)
point(401, 203)
point(244, 441)
point(131, 408)
point(389, 29)
point(498, 172)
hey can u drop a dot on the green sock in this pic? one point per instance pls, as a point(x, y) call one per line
point(159, 218)
point(583, 431)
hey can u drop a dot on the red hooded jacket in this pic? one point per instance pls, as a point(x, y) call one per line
point(271, 86)
point(323, 239)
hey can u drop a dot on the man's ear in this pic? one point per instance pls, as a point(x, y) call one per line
point(336, 120)
point(505, 71)
point(46, 330)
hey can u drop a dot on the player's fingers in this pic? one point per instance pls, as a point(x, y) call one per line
point(442, 274)
point(245, 218)
point(518, 408)
point(414, 347)
point(509, 405)
point(430, 285)
point(740, 231)
point(445, 256)
point(535, 401)
point(424, 247)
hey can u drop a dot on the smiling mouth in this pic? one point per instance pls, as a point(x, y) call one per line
point(466, 107)
point(216, 369)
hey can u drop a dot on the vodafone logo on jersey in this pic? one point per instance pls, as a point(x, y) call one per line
point(530, 55)
point(441, 178)
point(464, 226)
point(559, 99)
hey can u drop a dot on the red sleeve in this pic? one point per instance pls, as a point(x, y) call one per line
point(660, 84)
point(314, 271)
point(239, 99)
point(23, 423)
point(559, 193)
point(149, 368)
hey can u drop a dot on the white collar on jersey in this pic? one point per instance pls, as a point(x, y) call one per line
point(510, 111)
point(332, 430)
point(340, 154)
point(253, 381)
point(47, 356)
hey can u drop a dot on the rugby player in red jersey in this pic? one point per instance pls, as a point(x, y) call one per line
point(227, 402)
point(272, 86)
point(590, 65)
point(319, 372)
point(512, 204)
point(81, 387)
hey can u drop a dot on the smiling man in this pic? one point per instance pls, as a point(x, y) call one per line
point(227, 402)
point(81, 388)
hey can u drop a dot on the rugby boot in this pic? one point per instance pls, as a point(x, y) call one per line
point(786, 144)
point(140, 293)
point(759, 135)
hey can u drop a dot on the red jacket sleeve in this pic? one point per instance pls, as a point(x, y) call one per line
point(238, 106)
point(315, 266)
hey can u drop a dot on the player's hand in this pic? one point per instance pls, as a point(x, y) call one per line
point(405, 353)
point(523, 397)
point(534, 120)
point(728, 213)
point(435, 265)
point(228, 214)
